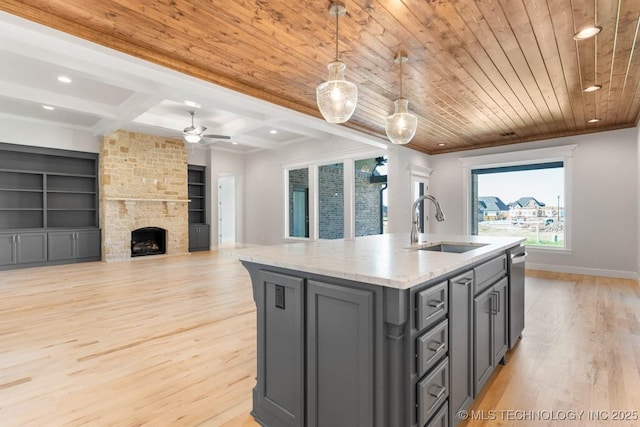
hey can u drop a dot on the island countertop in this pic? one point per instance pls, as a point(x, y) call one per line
point(387, 259)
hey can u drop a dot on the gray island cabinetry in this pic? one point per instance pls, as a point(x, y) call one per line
point(374, 331)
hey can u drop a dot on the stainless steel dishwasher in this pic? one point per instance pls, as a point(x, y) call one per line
point(517, 258)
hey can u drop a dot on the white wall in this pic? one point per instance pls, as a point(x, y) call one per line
point(264, 197)
point(14, 131)
point(401, 163)
point(605, 202)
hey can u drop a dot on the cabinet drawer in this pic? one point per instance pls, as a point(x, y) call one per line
point(486, 274)
point(441, 418)
point(431, 305)
point(432, 391)
point(431, 346)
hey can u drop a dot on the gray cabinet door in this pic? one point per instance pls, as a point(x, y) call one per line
point(340, 349)
point(7, 249)
point(31, 248)
point(193, 237)
point(482, 338)
point(62, 245)
point(72, 245)
point(199, 237)
point(88, 244)
point(278, 398)
point(500, 325)
point(460, 344)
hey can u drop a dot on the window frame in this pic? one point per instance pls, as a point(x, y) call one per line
point(348, 160)
point(420, 175)
point(521, 158)
point(287, 188)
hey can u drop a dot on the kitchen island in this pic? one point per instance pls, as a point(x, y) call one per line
point(375, 331)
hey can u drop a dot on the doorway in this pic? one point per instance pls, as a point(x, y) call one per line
point(226, 211)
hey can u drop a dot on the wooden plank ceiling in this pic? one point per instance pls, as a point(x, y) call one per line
point(480, 73)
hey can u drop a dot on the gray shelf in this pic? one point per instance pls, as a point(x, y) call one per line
point(197, 194)
point(20, 219)
point(197, 189)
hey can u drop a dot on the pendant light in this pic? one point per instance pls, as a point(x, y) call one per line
point(337, 97)
point(401, 125)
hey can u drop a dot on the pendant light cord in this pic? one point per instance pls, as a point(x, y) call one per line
point(337, 20)
point(401, 62)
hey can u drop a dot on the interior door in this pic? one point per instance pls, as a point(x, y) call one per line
point(227, 211)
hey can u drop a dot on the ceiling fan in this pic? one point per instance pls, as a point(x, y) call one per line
point(194, 134)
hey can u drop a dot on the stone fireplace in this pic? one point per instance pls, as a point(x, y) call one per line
point(143, 184)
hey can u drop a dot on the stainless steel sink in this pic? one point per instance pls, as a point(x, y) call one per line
point(457, 248)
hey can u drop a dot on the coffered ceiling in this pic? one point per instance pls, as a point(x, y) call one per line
point(480, 73)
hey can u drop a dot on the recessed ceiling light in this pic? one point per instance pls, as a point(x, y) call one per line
point(234, 143)
point(273, 131)
point(192, 104)
point(48, 107)
point(594, 120)
point(64, 79)
point(586, 33)
point(593, 88)
point(442, 144)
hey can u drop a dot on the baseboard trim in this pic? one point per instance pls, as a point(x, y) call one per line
point(584, 270)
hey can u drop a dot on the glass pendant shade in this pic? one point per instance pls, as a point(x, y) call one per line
point(193, 138)
point(337, 98)
point(401, 125)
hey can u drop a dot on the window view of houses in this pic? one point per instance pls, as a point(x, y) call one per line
point(525, 203)
point(542, 224)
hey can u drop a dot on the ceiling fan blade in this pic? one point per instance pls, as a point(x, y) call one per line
point(217, 136)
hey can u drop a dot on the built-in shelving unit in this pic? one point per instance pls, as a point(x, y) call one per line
point(21, 199)
point(43, 190)
point(197, 190)
point(197, 194)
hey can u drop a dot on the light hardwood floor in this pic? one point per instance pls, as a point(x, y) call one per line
point(171, 341)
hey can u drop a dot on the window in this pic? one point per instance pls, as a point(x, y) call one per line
point(299, 203)
point(370, 183)
point(523, 201)
point(337, 197)
point(521, 193)
point(419, 187)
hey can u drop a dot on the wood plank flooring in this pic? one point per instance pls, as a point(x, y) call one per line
point(171, 341)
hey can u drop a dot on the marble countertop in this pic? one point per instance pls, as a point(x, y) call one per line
point(386, 260)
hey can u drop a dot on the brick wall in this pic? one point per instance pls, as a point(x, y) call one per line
point(367, 200)
point(143, 183)
point(331, 208)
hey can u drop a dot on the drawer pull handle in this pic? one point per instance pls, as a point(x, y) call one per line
point(439, 393)
point(439, 348)
point(436, 304)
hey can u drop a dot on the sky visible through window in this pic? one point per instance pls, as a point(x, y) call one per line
point(545, 185)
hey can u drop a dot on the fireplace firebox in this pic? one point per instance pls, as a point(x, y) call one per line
point(148, 241)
